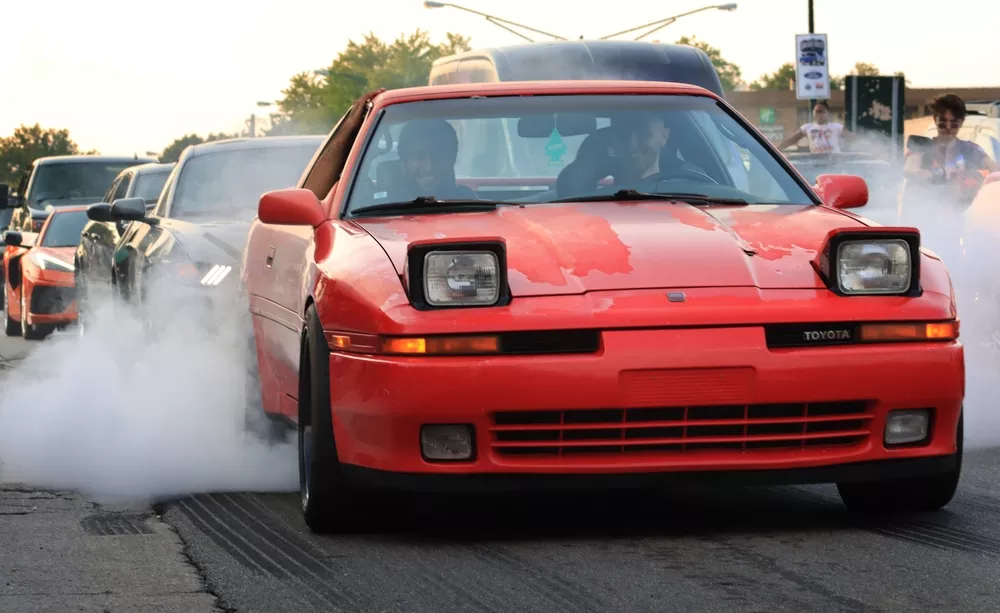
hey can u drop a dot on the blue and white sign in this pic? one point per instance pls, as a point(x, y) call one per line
point(812, 67)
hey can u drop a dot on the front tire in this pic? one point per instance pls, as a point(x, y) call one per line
point(329, 502)
point(913, 495)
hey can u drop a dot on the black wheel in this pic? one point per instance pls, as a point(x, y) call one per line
point(922, 494)
point(11, 326)
point(329, 502)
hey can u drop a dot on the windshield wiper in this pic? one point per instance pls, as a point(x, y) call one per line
point(433, 204)
point(631, 194)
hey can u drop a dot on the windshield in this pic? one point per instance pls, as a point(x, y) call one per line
point(149, 185)
point(64, 229)
point(542, 148)
point(60, 183)
point(230, 183)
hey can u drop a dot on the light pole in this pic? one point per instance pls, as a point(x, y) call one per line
point(662, 23)
point(253, 117)
point(812, 30)
point(497, 21)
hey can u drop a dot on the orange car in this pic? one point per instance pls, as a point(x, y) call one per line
point(39, 285)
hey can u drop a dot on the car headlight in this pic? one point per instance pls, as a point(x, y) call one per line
point(874, 266)
point(461, 278)
point(194, 274)
point(216, 274)
point(47, 262)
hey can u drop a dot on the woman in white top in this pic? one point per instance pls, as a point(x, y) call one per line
point(824, 136)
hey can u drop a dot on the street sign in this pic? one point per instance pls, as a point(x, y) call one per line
point(812, 67)
point(767, 115)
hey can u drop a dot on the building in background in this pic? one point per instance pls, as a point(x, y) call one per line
point(777, 113)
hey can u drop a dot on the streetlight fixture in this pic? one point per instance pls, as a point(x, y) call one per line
point(662, 23)
point(497, 21)
point(253, 118)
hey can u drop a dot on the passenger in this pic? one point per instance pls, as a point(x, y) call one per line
point(428, 151)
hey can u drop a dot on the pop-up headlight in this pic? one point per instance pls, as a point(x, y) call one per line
point(874, 261)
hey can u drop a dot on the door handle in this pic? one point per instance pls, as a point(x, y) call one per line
point(270, 257)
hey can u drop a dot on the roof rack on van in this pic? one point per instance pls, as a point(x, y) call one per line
point(580, 60)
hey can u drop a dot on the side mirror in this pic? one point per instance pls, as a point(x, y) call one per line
point(842, 191)
point(127, 209)
point(918, 142)
point(100, 212)
point(12, 238)
point(291, 207)
point(993, 177)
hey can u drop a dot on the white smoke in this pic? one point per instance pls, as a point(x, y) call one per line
point(970, 248)
point(119, 414)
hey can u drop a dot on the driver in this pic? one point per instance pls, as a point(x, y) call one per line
point(428, 151)
point(642, 138)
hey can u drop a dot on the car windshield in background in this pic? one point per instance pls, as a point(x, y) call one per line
point(546, 148)
point(67, 183)
point(64, 229)
point(229, 184)
point(149, 185)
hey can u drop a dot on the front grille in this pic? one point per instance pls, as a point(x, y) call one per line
point(48, 300)
point(752, 427)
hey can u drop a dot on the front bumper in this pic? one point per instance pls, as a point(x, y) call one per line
point(710, 401)
point(50, 297)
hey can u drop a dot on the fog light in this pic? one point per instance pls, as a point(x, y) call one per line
point(446, 442)
point(903, 427)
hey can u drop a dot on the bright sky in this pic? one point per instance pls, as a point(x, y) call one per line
point(126, 78)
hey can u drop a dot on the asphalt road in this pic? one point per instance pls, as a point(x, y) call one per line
point(763, 550)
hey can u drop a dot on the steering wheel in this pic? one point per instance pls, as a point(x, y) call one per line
point(682, 173)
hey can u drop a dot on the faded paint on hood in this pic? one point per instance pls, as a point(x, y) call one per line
point(574, 248)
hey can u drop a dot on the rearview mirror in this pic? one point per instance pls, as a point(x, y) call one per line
point(128, 209)
point(842, 191)
point(100, 212)
point(291, 207)
point(12, 238)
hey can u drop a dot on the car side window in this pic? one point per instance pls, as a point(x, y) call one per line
point(122, 190)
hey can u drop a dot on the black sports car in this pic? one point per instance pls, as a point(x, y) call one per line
point(183, 256)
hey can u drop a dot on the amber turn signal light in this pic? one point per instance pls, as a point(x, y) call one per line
point(940, 331)
point(440, 345)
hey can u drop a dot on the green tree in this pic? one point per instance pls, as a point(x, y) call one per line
point(312, 103)
point(29, 143)
point(173, 151)
point(729, 73)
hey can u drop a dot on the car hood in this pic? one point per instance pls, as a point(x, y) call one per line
point(216, 241)
point(66, 254)
point(575, 248)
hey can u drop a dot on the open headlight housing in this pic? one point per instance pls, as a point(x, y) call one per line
point(454, 275)
point(872, 262)
point(47, 262)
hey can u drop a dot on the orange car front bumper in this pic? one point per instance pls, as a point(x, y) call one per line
point(50, 296)
point(657, 403)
